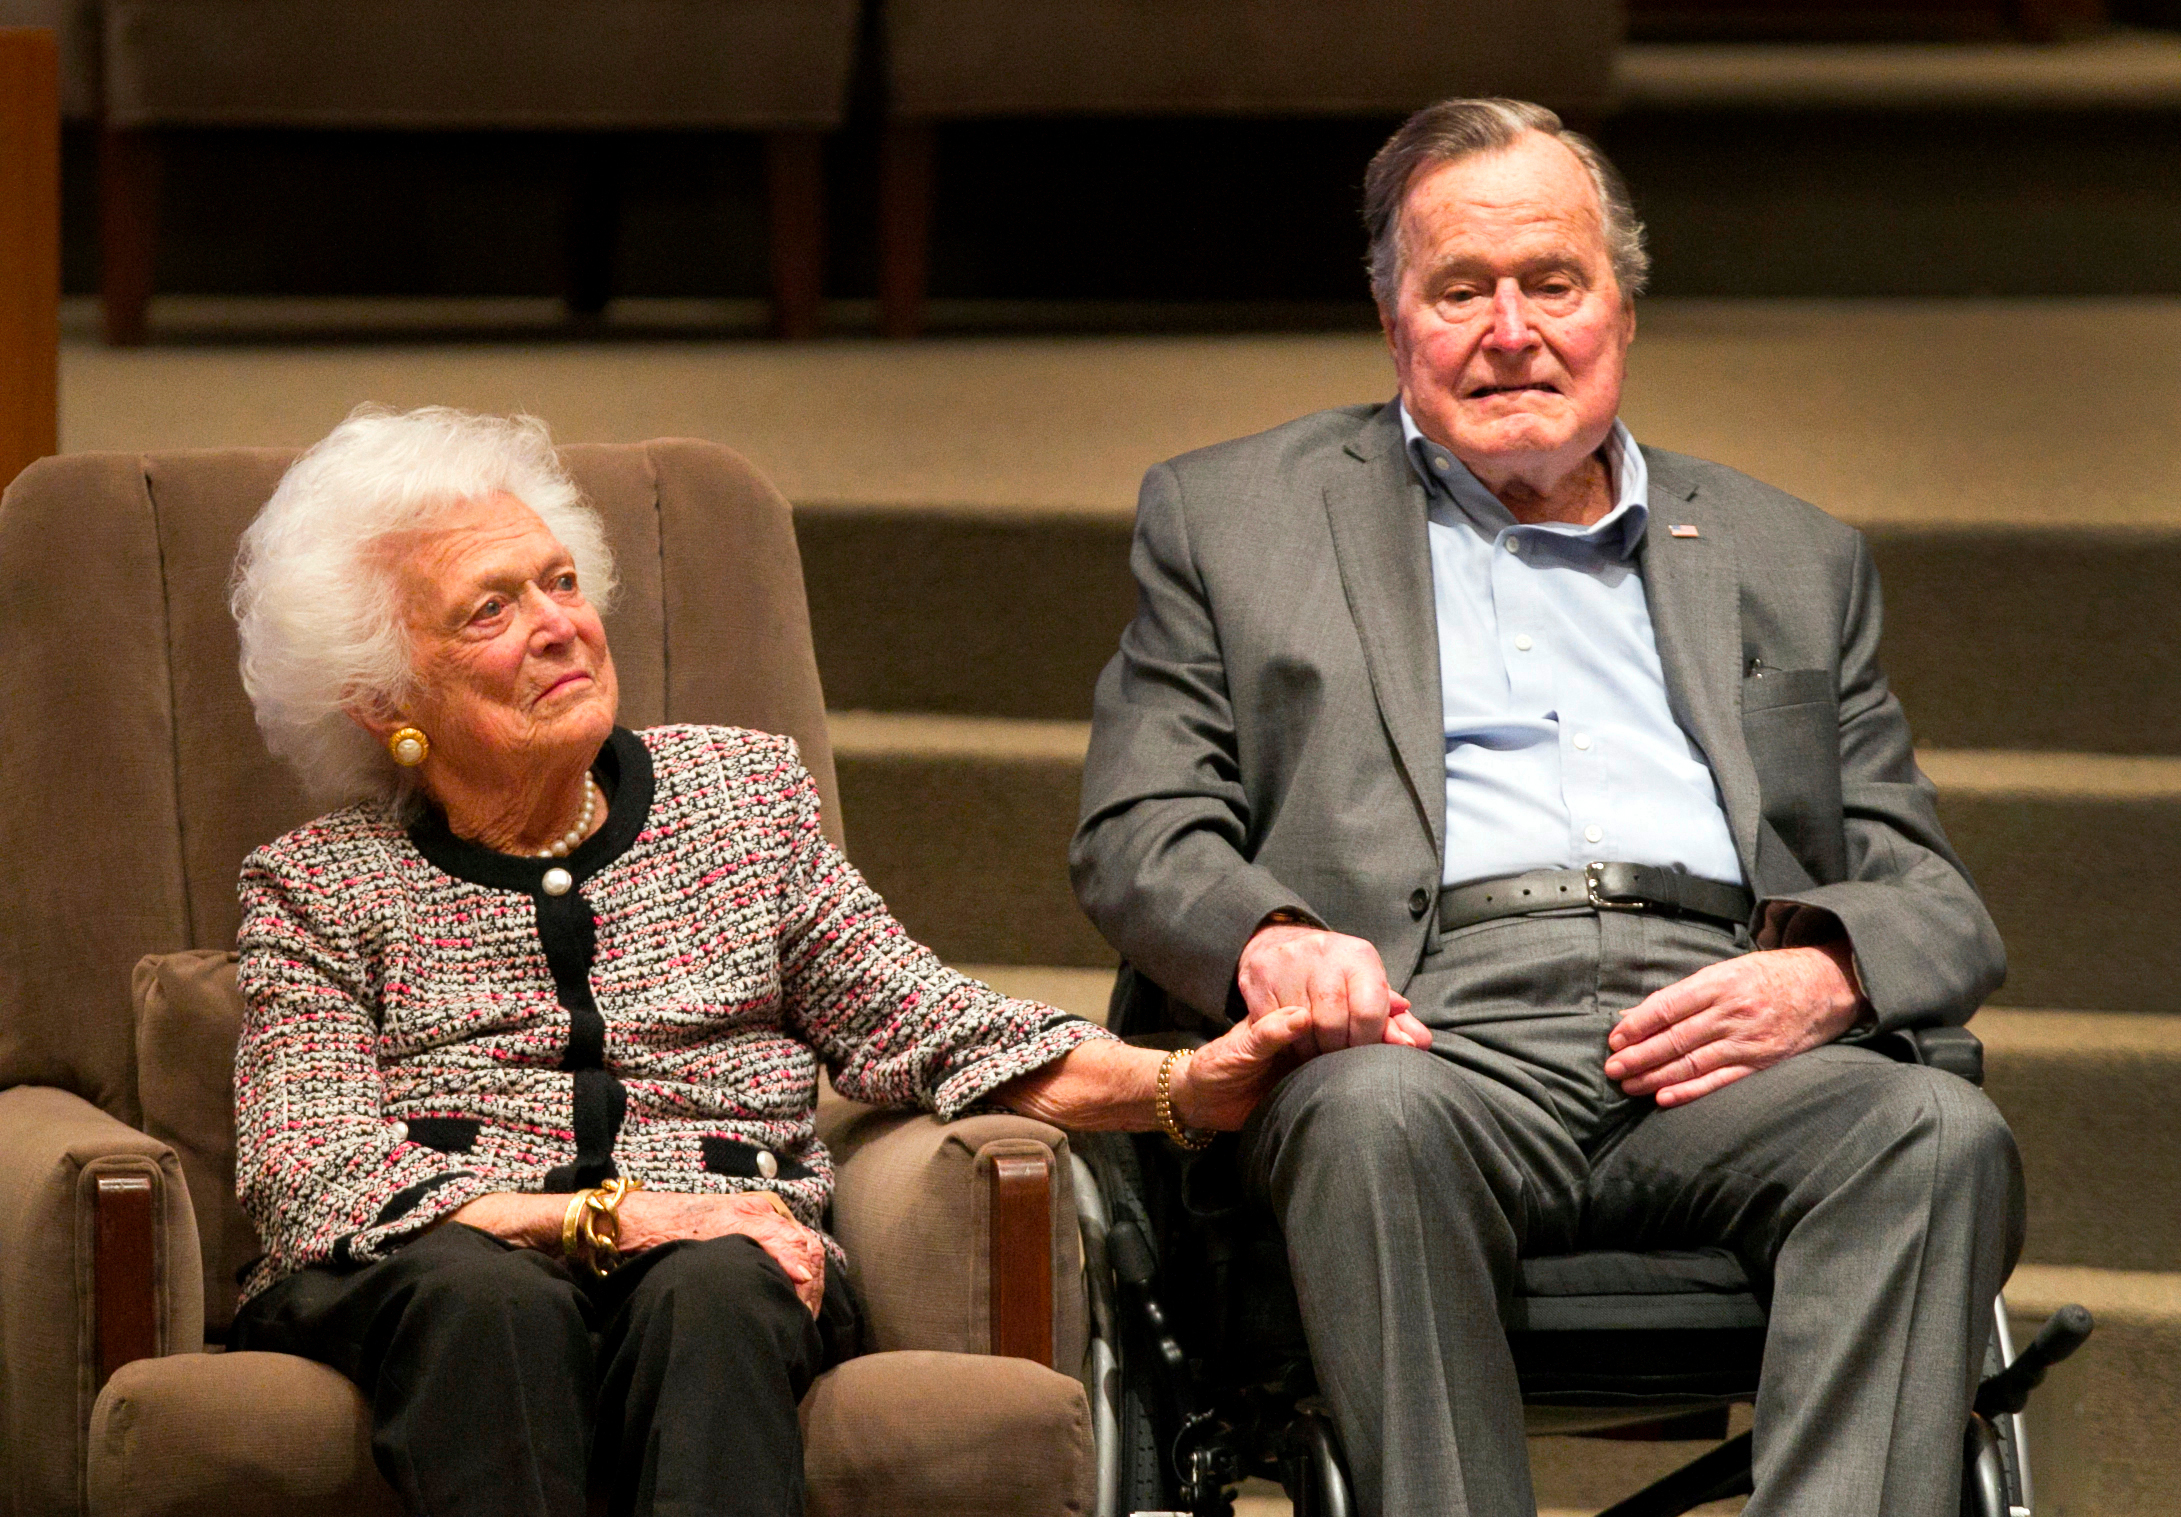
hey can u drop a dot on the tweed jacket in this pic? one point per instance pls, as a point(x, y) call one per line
point(426, 1021)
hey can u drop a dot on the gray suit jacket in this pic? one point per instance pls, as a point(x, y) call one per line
point(1269, 733)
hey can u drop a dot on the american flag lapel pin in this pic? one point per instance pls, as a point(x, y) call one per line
point(1682, 529)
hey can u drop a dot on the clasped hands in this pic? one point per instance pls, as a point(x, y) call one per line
point(652, 1217)
point(1726, 1021)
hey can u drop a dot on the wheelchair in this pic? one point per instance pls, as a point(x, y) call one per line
point(1200, 1376)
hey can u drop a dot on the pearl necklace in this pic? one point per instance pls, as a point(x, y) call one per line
point(574, 835)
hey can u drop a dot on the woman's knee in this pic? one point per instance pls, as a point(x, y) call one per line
point(494, 1281)
point(728, 1280)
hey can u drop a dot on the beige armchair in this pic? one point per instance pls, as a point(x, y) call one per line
point(135, 783)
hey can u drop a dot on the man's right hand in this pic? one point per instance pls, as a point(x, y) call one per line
point(1340, 979)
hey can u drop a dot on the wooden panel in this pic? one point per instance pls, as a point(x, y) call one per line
point(128, 1320)
point(1022, 1257)
point(30, 248)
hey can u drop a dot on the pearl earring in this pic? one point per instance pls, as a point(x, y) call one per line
point(408, 745)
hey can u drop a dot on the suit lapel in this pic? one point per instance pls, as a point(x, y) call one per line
point(1693, 586)
point(1375, 505)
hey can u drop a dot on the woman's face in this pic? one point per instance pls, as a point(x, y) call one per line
point(510, 658)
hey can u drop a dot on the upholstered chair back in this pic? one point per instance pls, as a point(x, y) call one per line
point(133, 780)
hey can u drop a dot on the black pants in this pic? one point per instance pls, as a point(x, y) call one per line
point(505, 1384)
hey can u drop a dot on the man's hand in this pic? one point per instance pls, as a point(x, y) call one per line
point(1732, 1019)
point(1340, 980)
point(652, 1217)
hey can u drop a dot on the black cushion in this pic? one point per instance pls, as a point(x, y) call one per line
point(1700, 1289)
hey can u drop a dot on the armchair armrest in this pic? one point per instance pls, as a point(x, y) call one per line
point(961, 1236)
point(98, 1266)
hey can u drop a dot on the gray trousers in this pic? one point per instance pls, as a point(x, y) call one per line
point(1876, 1206)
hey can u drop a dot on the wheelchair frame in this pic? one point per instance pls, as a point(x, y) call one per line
point(1167, 1442)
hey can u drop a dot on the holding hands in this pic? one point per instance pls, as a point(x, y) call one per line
point(1338, 979)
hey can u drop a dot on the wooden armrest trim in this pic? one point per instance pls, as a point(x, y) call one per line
point(1022, 1256)
point(126, 1276)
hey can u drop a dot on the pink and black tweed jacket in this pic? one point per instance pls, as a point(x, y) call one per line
point(426, 1023)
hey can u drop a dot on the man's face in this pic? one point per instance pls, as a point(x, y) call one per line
point(1509, 331)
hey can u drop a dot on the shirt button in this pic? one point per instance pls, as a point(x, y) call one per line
point(401, 1132)
point(1593, 834)
point(1582, 740)
point(767, 1165)
point(1419, 902)
point(1522, 643)
point(1514, 545)
point(1440, 463)
point(557, 882)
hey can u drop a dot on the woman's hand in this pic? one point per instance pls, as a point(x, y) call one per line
point(1108, 1086)
point(652, 1217)
point(1220, 1084)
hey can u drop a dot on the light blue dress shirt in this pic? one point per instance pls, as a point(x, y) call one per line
point(1561, 749)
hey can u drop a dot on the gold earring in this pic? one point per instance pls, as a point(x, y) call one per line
point(408, 745)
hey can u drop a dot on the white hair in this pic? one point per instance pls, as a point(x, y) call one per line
point(315, 604)
point(1454, 130)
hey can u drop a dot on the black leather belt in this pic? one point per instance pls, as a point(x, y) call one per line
point(1600, 887)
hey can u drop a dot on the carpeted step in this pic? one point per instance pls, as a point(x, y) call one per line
point(2074, 853)
point(2102, 1426)
point(963, 823)
point(2090, 1097)
point(1997, 637)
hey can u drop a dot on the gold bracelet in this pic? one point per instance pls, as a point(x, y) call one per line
point(1162, 1107)
point(598, 1224)
point(569, 1221)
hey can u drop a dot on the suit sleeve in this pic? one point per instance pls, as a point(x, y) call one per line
point(1160, 860)
point(1925, 947)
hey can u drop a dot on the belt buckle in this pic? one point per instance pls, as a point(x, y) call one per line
point(1594, 886)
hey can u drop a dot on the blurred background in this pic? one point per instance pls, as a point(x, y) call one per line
point(954, 273)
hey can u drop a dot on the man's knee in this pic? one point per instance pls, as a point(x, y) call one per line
point(1370, 1100)
point(1380, 1110)
point(1956, 1123)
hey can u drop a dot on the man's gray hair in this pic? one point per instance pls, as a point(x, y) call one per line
point(1456, 129)
point(315, 599)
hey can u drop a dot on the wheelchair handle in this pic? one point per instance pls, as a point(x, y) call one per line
point(2009, 1391)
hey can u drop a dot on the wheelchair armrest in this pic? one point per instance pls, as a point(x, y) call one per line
point(961, 1236)
point(1956, 1050)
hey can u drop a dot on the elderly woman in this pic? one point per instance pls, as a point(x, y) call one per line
point(525, 1091)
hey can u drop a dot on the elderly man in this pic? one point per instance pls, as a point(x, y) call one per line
point(1557, 776)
